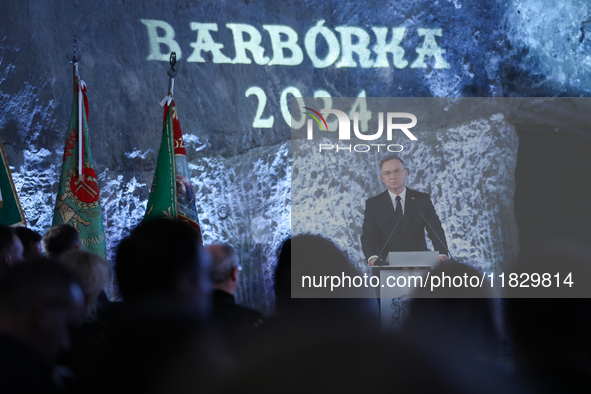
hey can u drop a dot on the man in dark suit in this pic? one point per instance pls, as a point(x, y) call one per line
point(398, 204)
point(224, 275)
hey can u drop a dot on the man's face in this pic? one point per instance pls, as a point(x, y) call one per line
point(394, 175)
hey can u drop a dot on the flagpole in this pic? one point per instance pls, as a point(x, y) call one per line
point(78, 198)
point(75, 58)
point(172, 170)
point(171, 74)
point(77, 88)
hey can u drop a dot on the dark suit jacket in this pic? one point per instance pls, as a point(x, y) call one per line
point(380, 219)
point(22, 371)
point(230, 315)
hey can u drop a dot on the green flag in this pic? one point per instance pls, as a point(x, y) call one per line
point(11, 213)
point(78, 202)
point(171, 194)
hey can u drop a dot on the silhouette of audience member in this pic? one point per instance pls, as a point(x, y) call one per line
point(315, 256)
point(351, 354)
point(225, 269)
point(303, 323)
point(31, 241)
point(39, 302)
point(550, 334)
point(282, 280)
point(60, 238)
point(163, 277)
point(162, 259)
point(93, 274)
point(11, 248)
point(363, 364)
point(458, 319)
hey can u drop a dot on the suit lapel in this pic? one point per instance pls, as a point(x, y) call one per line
point(409, 206)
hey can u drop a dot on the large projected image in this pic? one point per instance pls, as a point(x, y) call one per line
point(462, 152)
point(242, 64)
point(371, 184)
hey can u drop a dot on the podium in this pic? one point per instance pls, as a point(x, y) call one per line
point(398, 279)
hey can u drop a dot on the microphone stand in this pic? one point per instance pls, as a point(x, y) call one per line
point(380, 261)
point(442, 243)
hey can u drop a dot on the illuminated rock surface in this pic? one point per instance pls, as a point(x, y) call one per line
point(242, 173)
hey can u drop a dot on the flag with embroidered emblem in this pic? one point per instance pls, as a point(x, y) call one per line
point(171, 194)
point(78, 197)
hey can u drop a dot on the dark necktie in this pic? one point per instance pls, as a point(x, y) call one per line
point(399, 207)
point(397, 241)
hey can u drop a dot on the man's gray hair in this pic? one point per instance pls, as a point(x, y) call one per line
point(390, 158)
point(224, 259)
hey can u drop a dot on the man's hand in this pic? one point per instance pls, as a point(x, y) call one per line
point(443, 257)
point(372, 261)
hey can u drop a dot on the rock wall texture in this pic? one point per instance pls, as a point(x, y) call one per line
point(239, 65)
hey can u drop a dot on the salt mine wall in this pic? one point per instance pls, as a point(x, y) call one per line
point(240, 64)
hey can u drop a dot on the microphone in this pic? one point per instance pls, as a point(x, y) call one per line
point(380, 261)
point(442, 243)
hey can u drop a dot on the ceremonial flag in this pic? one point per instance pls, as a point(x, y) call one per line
point(171, 194)
point(78, 202)
point(11, 213)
